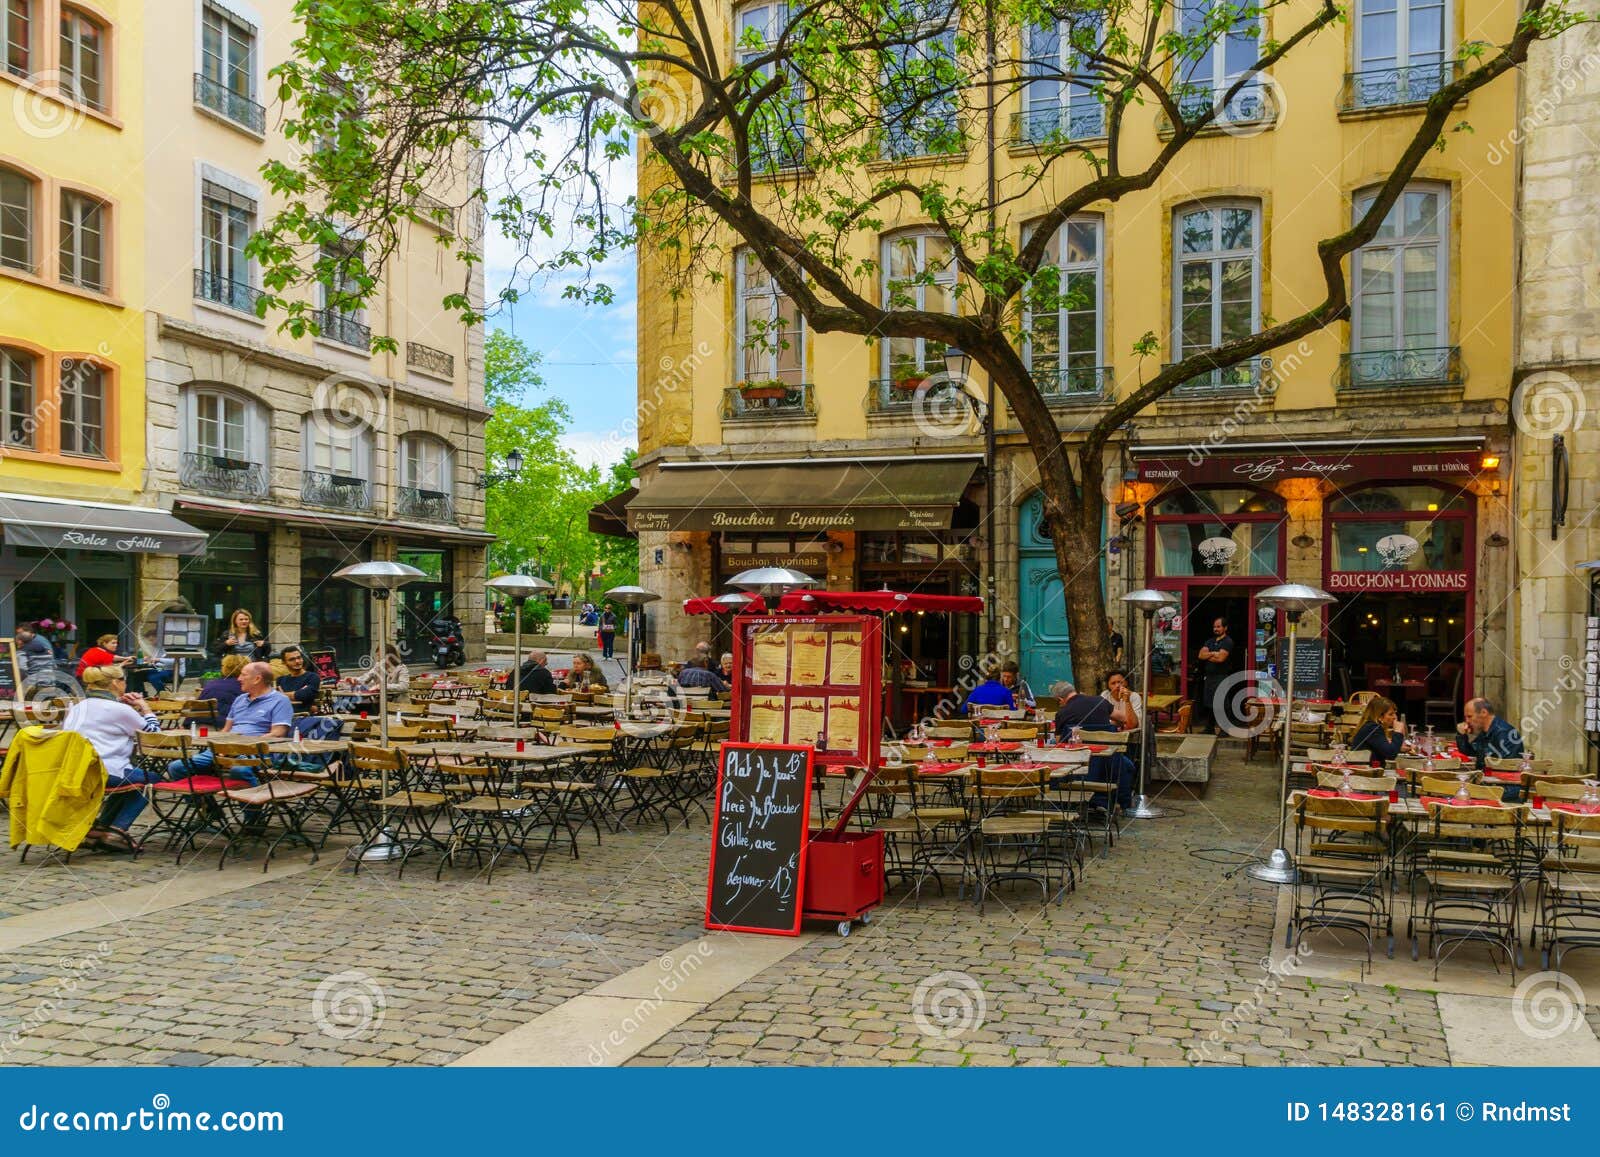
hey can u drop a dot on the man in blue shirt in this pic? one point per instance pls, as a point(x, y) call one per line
point(259, 711)
point(697, 672)
point(1485, 735)
point(991, 693)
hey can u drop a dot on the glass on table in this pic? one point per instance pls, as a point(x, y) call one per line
point(1462, 794)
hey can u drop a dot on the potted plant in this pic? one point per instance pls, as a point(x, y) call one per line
point(909, 380)
point(762, 389)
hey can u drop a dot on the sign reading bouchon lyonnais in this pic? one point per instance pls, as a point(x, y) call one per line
point(1397, 580)
point(781, 520)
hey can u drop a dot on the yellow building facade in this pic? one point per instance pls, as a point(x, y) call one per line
point(72, 300)
point(1390, 426)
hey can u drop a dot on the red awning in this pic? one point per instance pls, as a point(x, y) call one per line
point(710, 606)
point(813, 601)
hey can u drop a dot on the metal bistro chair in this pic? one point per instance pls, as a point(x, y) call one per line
point(1341, 852)
point(188, 805)
point(1470, 869)
point(275, 801)
point(491, 819)
point(1568, 905)
point(1012, 837)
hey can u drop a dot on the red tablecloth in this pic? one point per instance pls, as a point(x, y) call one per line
point(1576, 808)
point(993, 748)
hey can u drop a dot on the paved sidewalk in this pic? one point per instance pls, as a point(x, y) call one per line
point(1155, 959)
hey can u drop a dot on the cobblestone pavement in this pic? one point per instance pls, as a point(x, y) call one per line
point(1155, 959)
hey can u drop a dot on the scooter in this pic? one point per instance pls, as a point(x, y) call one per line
point(448, 650)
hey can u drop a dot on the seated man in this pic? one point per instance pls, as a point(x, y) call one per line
point(1484, 735)
point(535, 677)
point(697, 672)
point(1094, 713)
point(258, 712)
point(301, 684)
point(992, 692)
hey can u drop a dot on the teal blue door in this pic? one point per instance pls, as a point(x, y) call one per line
point(1046, 658)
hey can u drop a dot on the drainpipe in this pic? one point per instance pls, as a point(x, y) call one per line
point(988, 426)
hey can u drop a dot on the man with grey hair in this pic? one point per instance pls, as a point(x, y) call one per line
point(260, 712)
point(1094, 713)
point(1484, 735)
point(535, 677)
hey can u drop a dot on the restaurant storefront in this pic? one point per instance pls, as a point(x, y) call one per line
point(1393, 535)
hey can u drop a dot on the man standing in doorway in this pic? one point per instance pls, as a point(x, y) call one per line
point(1216, 655)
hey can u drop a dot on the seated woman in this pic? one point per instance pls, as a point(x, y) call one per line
point(399, 682)
point(584, 676)
point(1380, 731)
point(110, 718)
point(102, 654)
point(225, 688)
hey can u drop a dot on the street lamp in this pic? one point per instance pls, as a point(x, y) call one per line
point(1147, 601)
point(488, 478)
point(1294, 600)
point(382, 578)
point(956, 363)
point(519, 588)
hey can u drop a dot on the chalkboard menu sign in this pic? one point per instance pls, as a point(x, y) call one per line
point(1310, 666)
point(758, 839)
point(325, 664)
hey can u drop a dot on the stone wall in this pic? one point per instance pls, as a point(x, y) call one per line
point(1558, 365)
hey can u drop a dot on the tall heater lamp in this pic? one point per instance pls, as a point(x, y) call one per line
point(1148, 602)
point(519, 588)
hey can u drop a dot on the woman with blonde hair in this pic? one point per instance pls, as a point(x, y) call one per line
point(242, 638)
point(1380, 731)
point(111, 718)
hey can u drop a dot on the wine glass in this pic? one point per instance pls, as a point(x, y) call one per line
point(991, 733)
point(1075, 738)
point(1462, 794)
point(1345, 787)
point(1339, 750)
point(1591, 795)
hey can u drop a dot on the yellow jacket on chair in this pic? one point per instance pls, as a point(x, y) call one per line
point(53, 783)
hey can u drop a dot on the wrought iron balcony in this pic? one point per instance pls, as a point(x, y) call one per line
point(1433, 366)
point(1394, 87)
point(926, 133)
point(1252, 105)
point(1237, 379)
point(899, 396)
point(785, 150)
point(343, 328)
point(219, 474)
point(766, 402)
point(335, 491)
point(1075, 383)
point(428, 505)
point(223, 101)
point(430, 360)
point(1052, 123)
point(212, 286)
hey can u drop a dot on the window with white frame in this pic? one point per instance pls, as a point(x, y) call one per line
point(1400, 316)
point(919, 272)
point(82, 247)
point(1400, 55)
point(1206, 72)
point(225, 425)
point(340, 320)
point(227, 219)
point(17, 219)
point(1063, 310)
point(83, 42)
point(338, 448)
point(16, 37)
point(921, 85)
point(426, 464)
point(83, 409)
point(227, 81)
point(18, 382)
point(1053, 106)
point(778, 129)
point(769, 329)
point(1216, 279)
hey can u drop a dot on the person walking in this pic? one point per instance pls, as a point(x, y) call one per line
point(608, 633)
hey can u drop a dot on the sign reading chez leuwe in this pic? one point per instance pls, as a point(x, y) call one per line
point(1397, 580)
point(1338, 466)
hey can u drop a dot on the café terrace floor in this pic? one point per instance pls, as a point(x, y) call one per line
point(1160, 957)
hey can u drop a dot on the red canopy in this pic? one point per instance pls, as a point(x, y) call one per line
point(813, 601)
point(709, 606)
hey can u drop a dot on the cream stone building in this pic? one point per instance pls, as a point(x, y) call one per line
point(1371, 459)
point(1556, 406)
point(295, 456)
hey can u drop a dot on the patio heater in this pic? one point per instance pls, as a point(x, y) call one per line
point(634, 598)
point(1148, 602)
point(519, 588)
point(382, 577)
point(1294, 600)
point(771, 582)
point(734, 601)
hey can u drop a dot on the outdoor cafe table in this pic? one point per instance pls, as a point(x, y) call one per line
point(288, 745)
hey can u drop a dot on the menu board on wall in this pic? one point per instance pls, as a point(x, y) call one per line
point(1591, 674)
point(809, 680)
point(1310, 666)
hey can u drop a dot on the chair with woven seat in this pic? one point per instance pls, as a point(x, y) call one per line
point(188, 805)
point(1470, 870)
point(1341, 853)
point(1012, 834)
point(1567, 908)
point(406, 812)
point(257, 809)
point(491, 818)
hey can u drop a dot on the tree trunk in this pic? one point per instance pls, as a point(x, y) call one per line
point(1073, 510)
